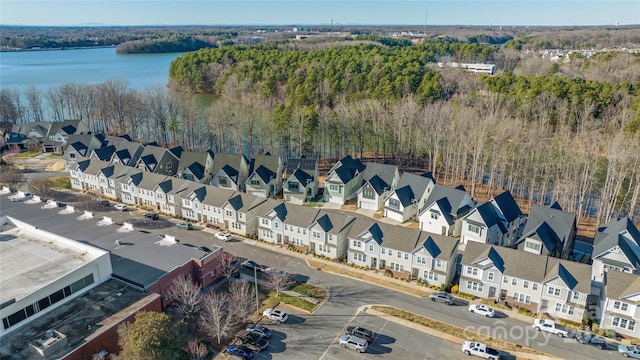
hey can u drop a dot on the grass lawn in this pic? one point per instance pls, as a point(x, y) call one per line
point(310, 291)
point(28, 154)
point(61, 183)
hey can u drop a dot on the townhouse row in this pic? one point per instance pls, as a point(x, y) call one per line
point(519, 276)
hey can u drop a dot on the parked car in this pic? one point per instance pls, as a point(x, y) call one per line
point(442, 297)
point(353, 342)
point(481, 309)
point(260, 330)
point(204, 248)
point(274, 314)
point(121, 207)
point(239, 351)
point(151, 215)
point(224, 236)
point(361, 333)
point(255, 341)
point(480, 350)
point(184, 225)
point(630, 351)
point(250, 264)
point(597, 341)
point(550, 326)
point(103, 202)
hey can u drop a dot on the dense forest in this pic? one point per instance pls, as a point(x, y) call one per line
point(566, 131)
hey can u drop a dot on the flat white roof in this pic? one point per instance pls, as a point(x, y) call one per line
point(29, 261)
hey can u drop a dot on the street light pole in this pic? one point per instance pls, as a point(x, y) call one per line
point(255, 281)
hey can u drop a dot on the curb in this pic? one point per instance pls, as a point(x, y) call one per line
point(448, 337)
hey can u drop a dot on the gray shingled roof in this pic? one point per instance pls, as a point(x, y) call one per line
point(385, 172)
point(621, 233)
point(438, 246)
point(233, 160)
point(188, 158)
point(453, 200)
point(270, 162)
point(216, 196)
point(292, 214)
point(302, 176)
point(532, 267)
point(560, 225)
point(412, 186)
point(243, 202)
point(619, 285)
point(105, 153)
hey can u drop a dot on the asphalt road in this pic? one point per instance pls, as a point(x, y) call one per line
point(312, 334)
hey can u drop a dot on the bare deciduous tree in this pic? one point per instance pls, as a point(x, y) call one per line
point(215, 318)
point(278, 280)
point(42, 187)
point(196, 350)
point(10, 175)
point(188, 295)
point(242, 298)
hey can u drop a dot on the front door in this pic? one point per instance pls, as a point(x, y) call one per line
point(503, 294)
point(374, 262)
point(415, 273)
point(279, 239)
point(313, 247)
point(492, 291)
point(443, 231)
point(382, 264)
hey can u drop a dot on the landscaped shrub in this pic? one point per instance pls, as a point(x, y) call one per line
point(455, 289)
point(610, 333)
point(466, 296)
point(527, 312)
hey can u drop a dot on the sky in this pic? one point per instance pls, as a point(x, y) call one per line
point(313, 12)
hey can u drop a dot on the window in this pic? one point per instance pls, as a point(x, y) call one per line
point(293, 186)
point(359, 257)
point(624, 307)
point(565, 309)
point(553, 291)
point(368, 194)
point(523, 298)
point(475, 286)
point(382, 250)
point(474, 229)
point(390, 252)
point(514, 282)
point(490, 276)
point(223, 182)
point(505, 280)
point(399, 255)
point(433, 276)
point(534, 286)
point(525, 284)
point(421, 260)
point(435, 214)
point(533, 246)
point(472, 271)
point(406, 256)
point(335, 188)
point(371, 247)
point(357, 243)
point(255, 182)
point(394, 204)
point(438, 263)
point(576, 295)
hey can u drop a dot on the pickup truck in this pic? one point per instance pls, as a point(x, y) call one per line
point(480, 350)
point(550, 326)
point(585, 338)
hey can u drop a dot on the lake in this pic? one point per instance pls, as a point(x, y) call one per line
point(52, 68)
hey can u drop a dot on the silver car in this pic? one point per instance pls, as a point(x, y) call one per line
point(630, 351)
point(354, 342)
point(442, 297)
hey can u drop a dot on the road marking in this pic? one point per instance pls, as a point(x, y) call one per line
point(342, 332)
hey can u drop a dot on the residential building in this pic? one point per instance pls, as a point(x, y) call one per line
point(620, 303)
point(287, 224)
point(541, 284)
point(498, 221)
point(329, 232)
point(444, 209)
point(158, 160)
point(79, 147)
point(240, 215)
point(301, 180)
point(58, 133)
point(616, 247)
point(127, 153)
point(343, 180)
point(212, 203)
point(549, 231)
point(196, 166)
point(434, 259)
point(409, 196)
point(265, 176)
point(379, 180)
point(229, 171)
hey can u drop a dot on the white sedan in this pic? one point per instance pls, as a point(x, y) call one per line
point(274, 314)
point(483, 310)
point(121, 207)
point(224, 236)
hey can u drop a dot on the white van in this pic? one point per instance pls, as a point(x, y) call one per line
point(354, 342)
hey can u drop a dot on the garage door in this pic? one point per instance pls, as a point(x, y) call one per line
point(368, 205)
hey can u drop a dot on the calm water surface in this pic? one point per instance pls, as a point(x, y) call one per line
point(45, 69)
